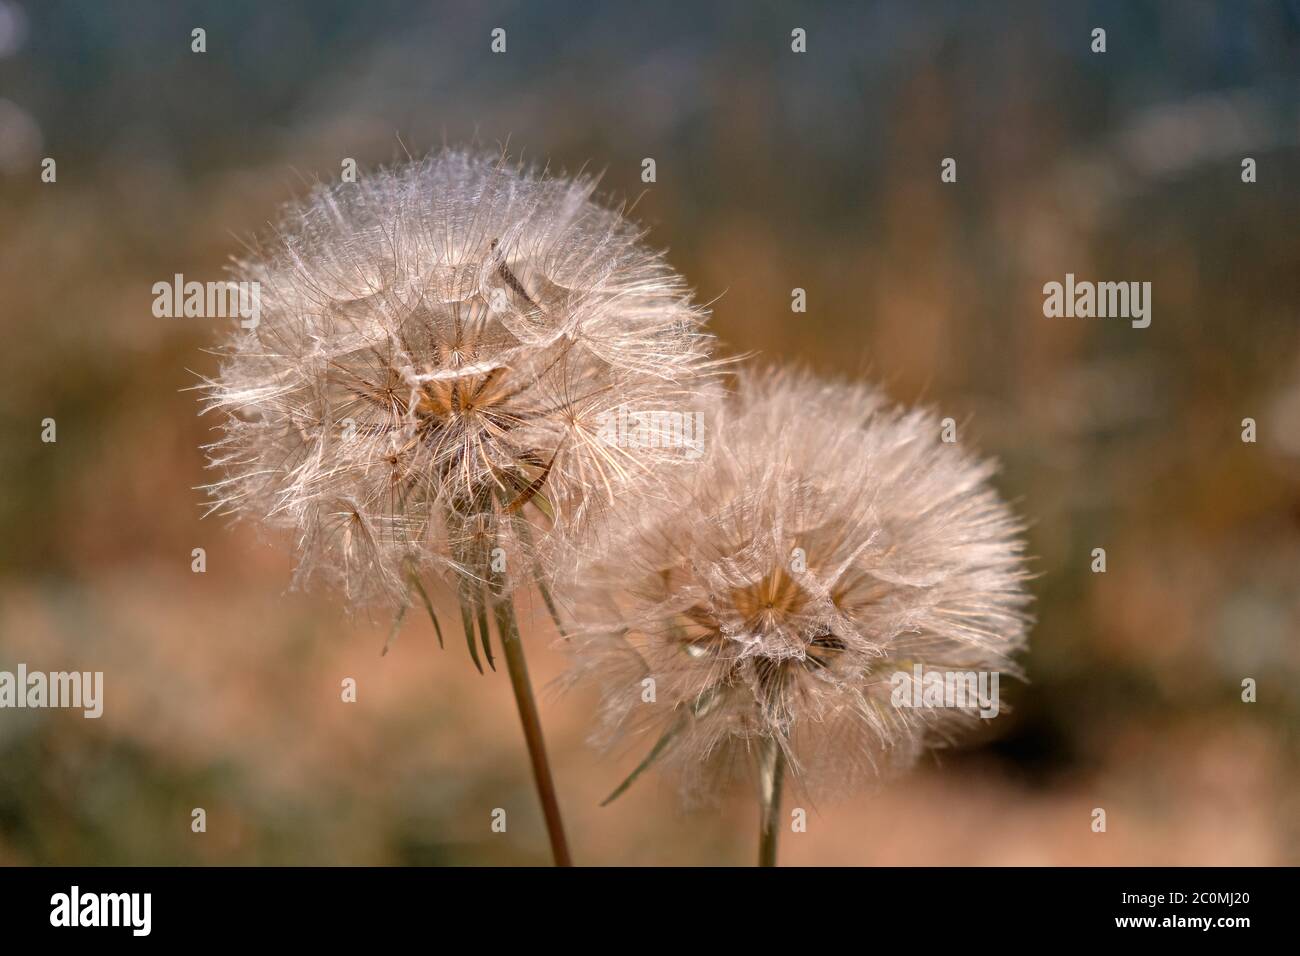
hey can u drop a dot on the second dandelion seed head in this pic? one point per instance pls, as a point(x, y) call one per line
point(827, 541)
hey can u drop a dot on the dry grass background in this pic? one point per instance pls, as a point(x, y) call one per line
point(775, 171)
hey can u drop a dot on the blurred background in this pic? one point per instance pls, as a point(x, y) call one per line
point(775, 170)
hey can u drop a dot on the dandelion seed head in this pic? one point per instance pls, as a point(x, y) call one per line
point(438, 347)
point(828, 541)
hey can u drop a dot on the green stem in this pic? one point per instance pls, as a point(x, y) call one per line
point(508, 630)
point(773, 774)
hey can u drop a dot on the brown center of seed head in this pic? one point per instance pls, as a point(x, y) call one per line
point(765, 607)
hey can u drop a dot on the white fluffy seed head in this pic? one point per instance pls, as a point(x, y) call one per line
point(440, 349)
point(828, 542)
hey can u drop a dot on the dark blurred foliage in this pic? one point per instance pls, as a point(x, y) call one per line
point(775, 171)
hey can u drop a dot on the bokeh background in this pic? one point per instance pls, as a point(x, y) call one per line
point(775, 171)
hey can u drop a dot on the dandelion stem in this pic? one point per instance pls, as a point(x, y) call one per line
point(773, 774)
point(508, 630)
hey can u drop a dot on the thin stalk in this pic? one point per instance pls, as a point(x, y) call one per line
point(508, 630)
point(773, 774)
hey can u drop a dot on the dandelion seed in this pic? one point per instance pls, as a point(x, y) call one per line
point(439, 345)
point(827, 542)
